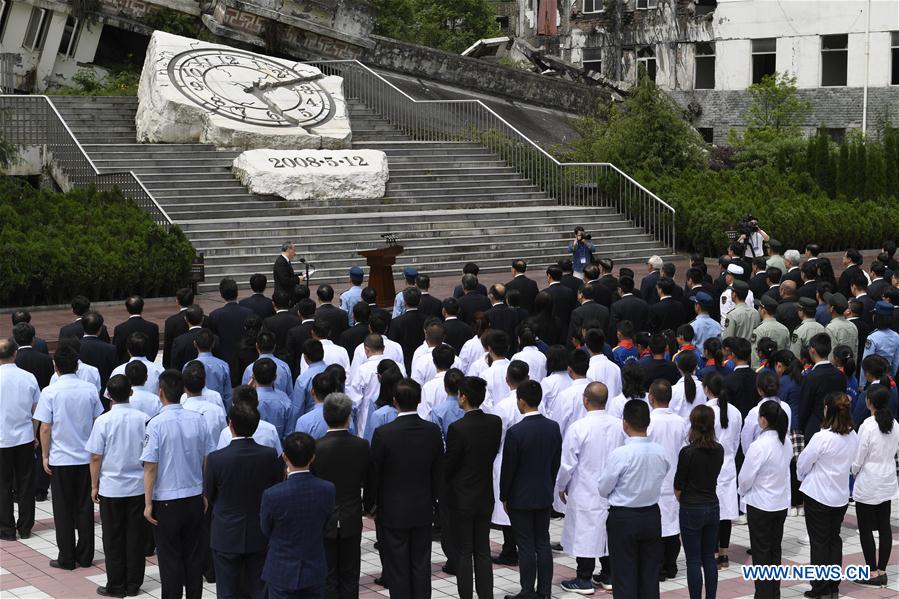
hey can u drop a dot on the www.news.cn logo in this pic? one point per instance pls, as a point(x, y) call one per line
point(806, 572)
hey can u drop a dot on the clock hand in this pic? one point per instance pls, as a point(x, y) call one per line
point(259, 86)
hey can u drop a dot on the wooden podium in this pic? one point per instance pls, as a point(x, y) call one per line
point(380, 272)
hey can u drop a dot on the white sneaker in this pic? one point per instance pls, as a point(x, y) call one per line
point(741, 521)
point(801, 510)
point(793, 511)
point(803, 540)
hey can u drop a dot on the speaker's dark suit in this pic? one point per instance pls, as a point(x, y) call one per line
point(471, 444)
point(345, 460)
point(457, 333)
point(76, 329)
point(294, 516)
point(472, 303)
point(236, 477)
point(37, 363)
point(259, 304)
point(532, 453)
point(631, 308)
point(648, 287)
point(407, 329)
point(336, 319)
point(407, 455)
point(589, 311)
point(820, 380)
point(564, 302)
point(504, 318)
point(280, 324)
point(284, 275)
point(136, 324)
point(527, 288)
point(666, 314)
point(227, 323)
point(430, 306)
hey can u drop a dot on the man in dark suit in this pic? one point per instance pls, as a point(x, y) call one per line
point(471, 301)
point(356, 334)
point(758, 282)
point(740, 383)
point(648, 283)
point(589, 310)
point(859, 289)
point(281, 323)
point(227, 322)
point(472, 443)
point(501, 316)
point(257, 302)
point(667, 313)
point(695, 284)
point(879, 283)
point(606, 278)
point(630, 307)
point(345, 460)
point(602, 294)
point(787, 312)
point(669, 270)
point(772, 280)
point(407, 455)
point(80, 306)
point(568, 278)
point(294, 515)
point(236, 477)
point(809, 287)
point(285, 277)
point(175, 324)
point(430, 306)
point(564, 299)
point(792, 259)
point(337, 320)
point(532, 454)
point(470, 268)
point(821, 379)
point(855, 310)
point(852, 264)
point(457, 331)
point(183, 348)
point(135, 324)
point(407, 329)
point(370, 297)
point(527, 288)
point(18, 316)
point(299, 334)
point(28, 358)
point(100, 354)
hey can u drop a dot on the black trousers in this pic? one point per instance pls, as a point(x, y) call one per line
point(232, 569)
point(871, 518)
point(16, 474)
point(670, 551)
point(73, 511)
point(41, 479)
point(472, 537)
point(724, 530)
point(510, 549)
point(448, 541)
point(124, 541)
point(825, 544)
point(178, 546)
point(407, 561)
point(587, 565)
point(344, 556)
point(635, 551)
point(535, 557)
point(766, 533)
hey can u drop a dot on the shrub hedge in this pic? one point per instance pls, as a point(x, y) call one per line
point(99, 244)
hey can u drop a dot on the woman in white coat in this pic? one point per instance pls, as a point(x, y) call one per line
point(687, 393)
point(875, 481)
point(557, 380)
point(727, 432)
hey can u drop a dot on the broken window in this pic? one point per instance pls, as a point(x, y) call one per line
point(593, 59)
point(705, 66)
point(834, 59)
point(503, 23)
point(647, 4)
point(4, 16)
point(69, 42)
point(593, 6)
point(704, 7)
point(646, 62)
point(764, 58)
point(37, 29)
point(707, 133)
point(894, 77)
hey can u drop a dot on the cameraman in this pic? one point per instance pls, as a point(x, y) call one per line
point(752, 237)
point(581, 251)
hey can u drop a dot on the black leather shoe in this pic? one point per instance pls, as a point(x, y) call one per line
point(556, 546)
point(133, 593)
point(505, 560)
point(104, 592)
point(7, 537)
point(25, 534)
point(55, 564)
point(381, 582)
point(521, 596)
point(40, 496)
point(447, 570)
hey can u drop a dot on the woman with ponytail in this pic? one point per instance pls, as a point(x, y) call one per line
point(727, 431)
point(695, 483)
point(764, 354)
point(764, 484)
point(686, 393)
point(823, 467)
point(714, 358)
point(767, 385)
point(557, 378)
point(875, 481)
point(875, 369)
point(843, 359)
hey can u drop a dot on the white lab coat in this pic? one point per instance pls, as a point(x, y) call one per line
point(363, 388)
point(507, 410)
point(535, 360)
point(679, 404)
point(668, 430)
point(585, 449)
point(607, 372)
point(472, 350)
point(552, 385)
point(729, 438)
point(497, 388)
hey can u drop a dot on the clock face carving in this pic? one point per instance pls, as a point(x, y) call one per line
point(250, 88)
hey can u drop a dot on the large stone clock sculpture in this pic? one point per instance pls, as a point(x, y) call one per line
point(196, 91)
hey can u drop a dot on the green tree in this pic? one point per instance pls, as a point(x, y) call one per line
point(891, 161)
point(450, 26)
point(775, 109)
point(843, 175)
point(875, 185)
point(823, 171)
point(396, 19)
point(861, 171)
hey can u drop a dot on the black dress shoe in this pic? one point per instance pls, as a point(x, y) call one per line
point(505, 560)
point(25, 534)
point(133, 592)
point(381, 582)
point(521, 596)
point(8, 537)
point(556, 546)
point(40, 496)
point(447, 570)
point(55, 564)
point(103, 591)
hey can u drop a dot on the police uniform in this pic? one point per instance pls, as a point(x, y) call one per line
point(769, 328)
point(353, 295)
point(742, 320)
point(884, 342)
point(704, 326)
point(726, 299)
point(841, 331)
point(399, 304)
point(807, 329)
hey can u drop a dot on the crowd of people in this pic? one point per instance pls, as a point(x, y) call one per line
point(651, 416)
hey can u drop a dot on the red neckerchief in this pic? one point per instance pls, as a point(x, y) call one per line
point(645, 352)
point(626, 344)
point(688, 347)
point(710, 362)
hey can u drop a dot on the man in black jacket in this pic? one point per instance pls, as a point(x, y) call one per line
point(603, 294)
point(667, 313)
point(356, 334)
point(227, 322)
point(407, 329)
point(281, 323)
point(457, 331)
point(345, 460)
point(532, 454)
point(337, 320)
point(589, 311)
point(472, 443)
point(564, 300)
point(740, 383)
point(176, 324)
point(648, 283)
point(135, 324)
point(500, 316)
point(257, 302)
point(525, 286)
point(27, 358)
point(299, 334)
point(821, 379)
point(630, 307)
point(471, 301)
point(407, 455)
point(236, 477)
point(429, 305)
point(285, 277)
point(183, 348)
point(470, 268)
point(100, 354)
point(80, 306)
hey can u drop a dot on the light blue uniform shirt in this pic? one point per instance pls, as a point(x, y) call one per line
point(145, 401)
point(381, 416)
point(118, 436)
point(273, 408)
point(266, 435)
point(19, 393)
point(212, 414)
point(178, 442)
point(399, 305)
point(218, 376)
point(348, 299)
point(704, 327)
point(313, 423)
point(301, 401)
point(153, 372)
point(69, 406)
point(634, 474)
point(445, 413)
point(283, 377)
point(884, 343)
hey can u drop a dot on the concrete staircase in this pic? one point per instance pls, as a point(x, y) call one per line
point(448, 203)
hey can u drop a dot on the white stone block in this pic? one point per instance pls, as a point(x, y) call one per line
point(314, 174)
point(193, 91)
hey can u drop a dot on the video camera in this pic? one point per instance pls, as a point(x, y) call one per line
point(748, 225)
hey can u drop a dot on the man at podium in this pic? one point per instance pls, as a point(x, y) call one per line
point(285, 277)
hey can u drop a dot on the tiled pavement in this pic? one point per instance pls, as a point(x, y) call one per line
point(24, 570)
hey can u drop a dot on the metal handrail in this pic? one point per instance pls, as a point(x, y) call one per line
point(35, 121)
point(599, 184)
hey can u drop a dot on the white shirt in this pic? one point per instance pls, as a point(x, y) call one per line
point(874, 464)
point(472, 350)
point(146, 402)
point(69, 406)
point(364, 389)
point(212, 414)
point(679, 404)
point(552, 385)
point(266, 434)
point(569, 405)
point(423, 368)
point(213, 397)
point(615, 406)
point(334, 354)
point(727, 303)
point(392, 351)
point(751, 428)
point(764, 479)
point(20, 393)
point(670, 431)
point(85, 372)
point(535, 360)
point(729, 438)
point(433, 392)
point(605, 371)
point(823, 467)
point(153, 372)
point(495, 375)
